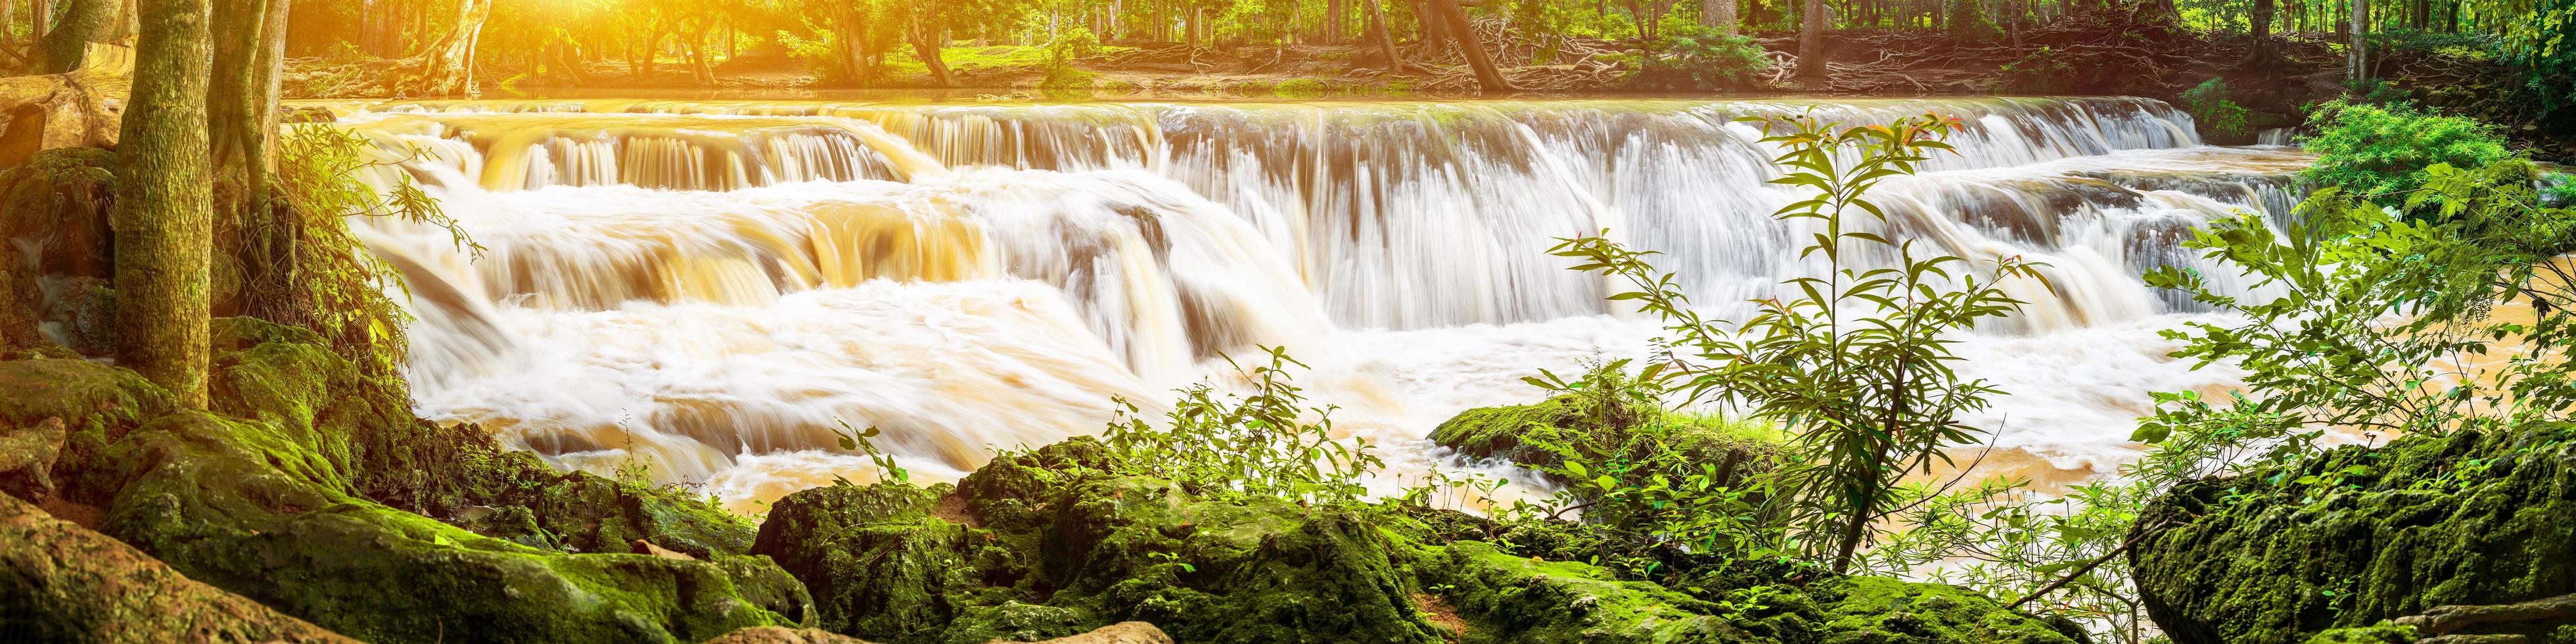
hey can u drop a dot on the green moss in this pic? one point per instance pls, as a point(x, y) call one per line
point(1046, 543)
point(1049, 543)
point(264, 497)
point(2357, 536)
point(1507, 598)
point(1301, 88)
point(1506, 432)
point(2381, 633)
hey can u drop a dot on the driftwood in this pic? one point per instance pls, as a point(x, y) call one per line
point(79, 108)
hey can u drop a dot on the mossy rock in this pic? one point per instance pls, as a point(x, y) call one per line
point(1053, 542)
point(267, 496)
point(2356, 536)
point(1036, 545)
point(60, 582)
point(1506, 433)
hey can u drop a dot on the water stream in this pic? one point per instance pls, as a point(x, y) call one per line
point(711, 287)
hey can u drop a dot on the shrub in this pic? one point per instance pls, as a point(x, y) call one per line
point(2380, 151)
point(2220, 119)
point(1072, 44)
point(1688, 56)
point(1257, 445)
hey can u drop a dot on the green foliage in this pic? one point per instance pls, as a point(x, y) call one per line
point(1968, 21)
point(2376, 151)
point(299, 265)
point(1688, 56)
point(1650, 481)
point(862, 441)
point(2542, 43)
point(1073, 44)
point(2322, 353)
point(1257, 445)
point(2218, 117)
point(1857, 363)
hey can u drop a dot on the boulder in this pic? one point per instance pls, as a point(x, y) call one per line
point(274, 495)
point(1054, 542)
point(2354, 537)
point(60, 582)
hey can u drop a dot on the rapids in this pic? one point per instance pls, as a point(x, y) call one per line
point(709, 288)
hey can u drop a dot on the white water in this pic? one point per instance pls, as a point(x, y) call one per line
point(716, 285)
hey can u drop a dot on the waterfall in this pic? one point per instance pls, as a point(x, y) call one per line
point(719, 284)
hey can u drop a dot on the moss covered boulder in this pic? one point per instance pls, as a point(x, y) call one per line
point(273, 495)
point(60, 582)
point(1047, 544)
point(1053, 542)
point(2358, 536)
point(1517, 433)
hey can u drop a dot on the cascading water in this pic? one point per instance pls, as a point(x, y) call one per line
point(718, 285)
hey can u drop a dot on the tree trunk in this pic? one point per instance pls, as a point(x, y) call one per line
point(446, 66)
point(1385, 40)
point(2360, 40)
point(1811, 43)
point(1454, 18)
point(2261, 53)
point(84, 22)
point(241, 115)
point(925, 44)
point(1719, 14)
point(164, 216)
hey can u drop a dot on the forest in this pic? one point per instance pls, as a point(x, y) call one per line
point(1157, 321)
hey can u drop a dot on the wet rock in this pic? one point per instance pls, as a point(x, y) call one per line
point(2359, 536)
point(60, 582)
point(80, 314)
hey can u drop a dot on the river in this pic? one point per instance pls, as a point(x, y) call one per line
point(707, 288)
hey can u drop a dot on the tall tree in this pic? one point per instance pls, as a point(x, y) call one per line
point(1719, 14)
point(241, 115)
point(2261, 53)
point(1811, 43)
point(1385, 39)
point(2360, 41)
point(165, 219)
point(1454, 19)
point(83, 22)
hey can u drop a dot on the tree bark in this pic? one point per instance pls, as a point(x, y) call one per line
point(1811, 43)
point(84, 22)
point(2360, 41)
point(1719, 14)
point(2260, 56)
point(1385, 40)
point(1454, 18)
point(925, 44)
point(241, 118)
point(165, 220)
point(446, 66)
